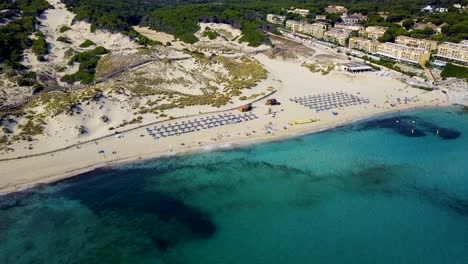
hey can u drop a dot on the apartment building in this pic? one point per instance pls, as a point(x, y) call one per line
point(320, 17)
point(364, 44)
point(437, 29)
point(393, 51)
point(374, 32)
point(336, 9)
point(337, 35)
point(350, 27)
point(301, 12)
point(316, 30)
point(454, 52)
point(275, 19)
point(353, 19)
point(294, 25)
point(403, 53)
point(428, 45)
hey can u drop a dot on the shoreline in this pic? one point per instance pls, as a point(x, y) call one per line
point(228, 144)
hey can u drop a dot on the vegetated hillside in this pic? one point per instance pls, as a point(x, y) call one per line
point(455, 71)
point(182, 21)
point(14, 36)
point(8, 11)
point(180, 17)
point(118, 15)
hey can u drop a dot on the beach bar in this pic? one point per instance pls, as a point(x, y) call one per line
point(356, 67)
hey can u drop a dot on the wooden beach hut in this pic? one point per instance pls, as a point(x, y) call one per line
point(271, 102)
point(245, 108)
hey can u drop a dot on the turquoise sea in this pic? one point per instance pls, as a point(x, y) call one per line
point(386, 190)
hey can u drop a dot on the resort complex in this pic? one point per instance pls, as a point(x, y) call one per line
point(337, 35)
point(427, 45)
point(316, 30)
point(403, 53)
point(398, 52)
point(454, 52)
point(353, 34)
point(364, 44)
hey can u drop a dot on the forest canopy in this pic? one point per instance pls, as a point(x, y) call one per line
point(180, 17)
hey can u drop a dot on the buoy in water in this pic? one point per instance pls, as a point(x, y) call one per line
point(413, 121)
point(437, 131)
point(398, 121)
point(412, 131)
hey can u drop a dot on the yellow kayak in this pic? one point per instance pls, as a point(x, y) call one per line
point(306, 121)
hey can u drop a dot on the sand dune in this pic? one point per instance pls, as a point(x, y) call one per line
point(56, 65)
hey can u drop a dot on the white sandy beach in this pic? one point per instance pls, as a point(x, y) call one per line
point(287, 76)
point(296, 81)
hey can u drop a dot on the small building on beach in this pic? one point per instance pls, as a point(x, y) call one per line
point(245, 108)
point(356, 67)
point(271, 102)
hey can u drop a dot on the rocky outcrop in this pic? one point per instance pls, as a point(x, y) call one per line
point(456, 90)
point(459, 97)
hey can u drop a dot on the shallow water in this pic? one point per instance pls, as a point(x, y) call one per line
point(378, 191)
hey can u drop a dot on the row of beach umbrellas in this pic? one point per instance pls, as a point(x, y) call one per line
point(329, 101)
point(198, 124)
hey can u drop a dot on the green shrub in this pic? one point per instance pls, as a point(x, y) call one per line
point(64, 29)
point(88, 61)
point(39, 46)
point(145, 41)
point(188, 38)
point(99, 51)
point(38, 88)
point(253, 35)
point(451, 70)
point(64, 39)
point(210, 34)
point(87, 43)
